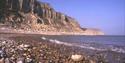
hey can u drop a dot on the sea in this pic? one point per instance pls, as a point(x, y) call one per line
point(115, 43)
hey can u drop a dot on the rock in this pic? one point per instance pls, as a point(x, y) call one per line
point(2, 60)
point(20, 60)
point(4, 42)
point(38, 9)
point(91, 61)
point(51, 61)
point(26, 7)
point(44, 38)
point(29, 60)
point(2, 54)
point(29, 50)
point(7, 60)
point(77, 57)
point(26, 46)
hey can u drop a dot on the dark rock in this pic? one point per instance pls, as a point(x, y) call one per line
point(27, 5)
point(2, 53)
point(38, 9)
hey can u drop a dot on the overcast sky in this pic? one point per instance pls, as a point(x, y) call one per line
point(107, 15)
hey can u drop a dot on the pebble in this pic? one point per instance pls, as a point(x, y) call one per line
point(7, 60)
point(2, 54)
point(29, 60)
point(2, 60)
point(19, 61)
point(44, 38)
point(26, 46)
point(77, 57)
point(91, 61)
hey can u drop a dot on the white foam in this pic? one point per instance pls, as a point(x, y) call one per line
point(60, 42)
point(120, 50)
point(51, 40)
point(44, 38)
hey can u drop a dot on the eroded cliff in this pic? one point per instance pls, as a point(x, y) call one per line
point(35, 15)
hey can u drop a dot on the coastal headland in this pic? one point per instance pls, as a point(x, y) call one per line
point(25, 16)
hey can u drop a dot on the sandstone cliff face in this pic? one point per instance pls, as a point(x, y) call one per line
point(31, 14)
point(35, 15)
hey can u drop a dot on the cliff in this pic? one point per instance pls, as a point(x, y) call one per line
point(92, 31)
point(35, 15)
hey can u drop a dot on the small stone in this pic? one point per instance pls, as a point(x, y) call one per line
point(7, 60)
point(91, 61)
point(12, 50)
point(34, 47)
point(2, 54)
point(51, 61)
point(12, 58)
point(25, 49)
point(26, 46)
point(25, 54)
point(20, 60)
point(2, 60)
point(21, 45)
point(77, 57)
point(43, 38)
point(4, 42)
point(29, 60)
point(29, 50)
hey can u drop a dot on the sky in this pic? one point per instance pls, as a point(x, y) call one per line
point(106, 15)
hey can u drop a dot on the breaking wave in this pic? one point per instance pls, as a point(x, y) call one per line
point(87, 46)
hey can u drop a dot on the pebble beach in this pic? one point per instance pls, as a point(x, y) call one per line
point(24, 48)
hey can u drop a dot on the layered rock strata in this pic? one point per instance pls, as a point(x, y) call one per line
point(35, 15)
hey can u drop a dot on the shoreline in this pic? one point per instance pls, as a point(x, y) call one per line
point(7, 30)
point(34, 40)
point(35, 47)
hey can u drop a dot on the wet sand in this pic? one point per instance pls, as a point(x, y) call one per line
point(30, 48)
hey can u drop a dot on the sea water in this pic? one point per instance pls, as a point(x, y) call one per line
point(100, 42)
